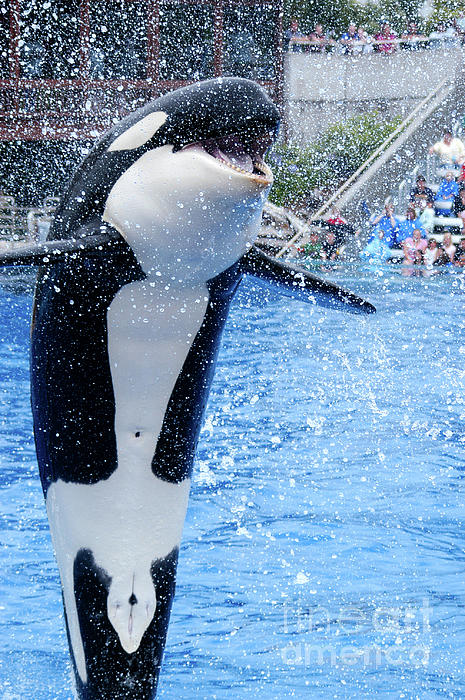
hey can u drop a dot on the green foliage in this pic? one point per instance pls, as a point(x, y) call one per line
point(338, 153)
point(445, 11)
point(399, 12)
point(295, 171)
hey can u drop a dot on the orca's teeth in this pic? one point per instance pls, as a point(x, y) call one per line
point(232, 152)
point(240, 160)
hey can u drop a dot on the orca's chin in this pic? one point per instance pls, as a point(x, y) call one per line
point(237, 153)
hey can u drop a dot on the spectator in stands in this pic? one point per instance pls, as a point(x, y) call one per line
point(349, 39)
point(443, 258)
point(459, 257)
point(386, 39)
point(411, 38)
point(418, 257)
point(376, 250)
point(451, 151)
point(426, 218)
point(319, 40)
point(442, 36)
point(293, 33)
point(406, 228)
point(329, 248)
point(312, 248)
point(445, 197)
point(387, 223)
point(365, 42)
point(421, 194)
point(412, 246)
point(335, 217)
point(431, 253)
point(337, 225)
point(448, 247)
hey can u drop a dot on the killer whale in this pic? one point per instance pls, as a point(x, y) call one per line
point(147, 249)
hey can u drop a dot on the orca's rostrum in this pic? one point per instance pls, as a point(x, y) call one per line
point(147, 249)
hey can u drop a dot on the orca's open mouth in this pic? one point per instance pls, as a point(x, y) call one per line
point(239, 154)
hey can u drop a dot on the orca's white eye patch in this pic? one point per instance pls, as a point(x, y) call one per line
point(139, 133)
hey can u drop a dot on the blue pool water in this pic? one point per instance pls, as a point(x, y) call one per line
point(324, 551)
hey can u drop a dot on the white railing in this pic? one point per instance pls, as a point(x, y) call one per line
point(386, 45)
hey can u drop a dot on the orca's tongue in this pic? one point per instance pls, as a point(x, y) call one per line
point(238, 153)
point(240, 159)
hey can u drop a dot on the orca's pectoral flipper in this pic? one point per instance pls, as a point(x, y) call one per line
point(51, 252)
point(299, 283)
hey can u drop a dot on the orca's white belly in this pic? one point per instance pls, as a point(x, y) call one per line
point(132, 518)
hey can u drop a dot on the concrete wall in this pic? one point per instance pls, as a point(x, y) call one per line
point(323, 89)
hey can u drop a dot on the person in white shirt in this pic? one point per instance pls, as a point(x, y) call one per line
point(431, 253)
point(426, 217)
point(450, 150)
